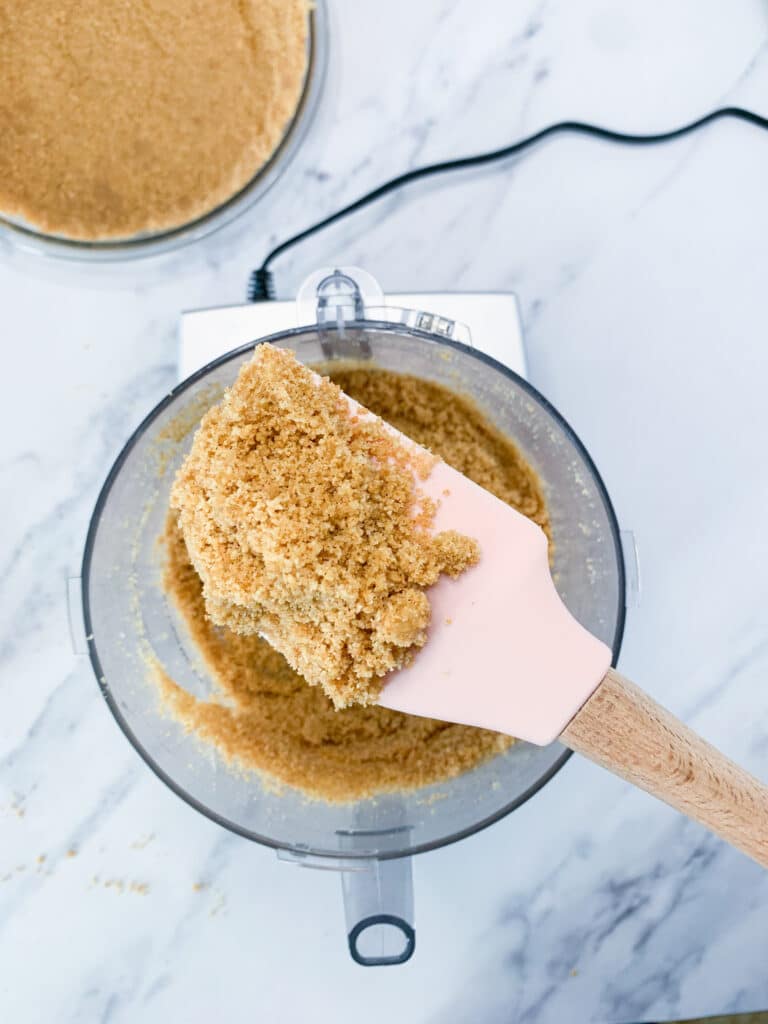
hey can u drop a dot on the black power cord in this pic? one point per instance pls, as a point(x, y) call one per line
point(261, 282)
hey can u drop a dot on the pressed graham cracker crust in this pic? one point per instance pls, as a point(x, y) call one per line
point(263, 716)
point(125, 117)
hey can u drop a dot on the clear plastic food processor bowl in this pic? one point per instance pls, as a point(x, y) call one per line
point(126, 615)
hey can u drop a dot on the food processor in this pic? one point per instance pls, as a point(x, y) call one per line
point(340, 314)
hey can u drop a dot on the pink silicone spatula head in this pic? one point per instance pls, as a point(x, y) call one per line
point(503, 652)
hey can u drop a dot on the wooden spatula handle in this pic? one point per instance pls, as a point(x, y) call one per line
point(622, 729)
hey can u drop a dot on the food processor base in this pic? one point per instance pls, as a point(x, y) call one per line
point(205, 334)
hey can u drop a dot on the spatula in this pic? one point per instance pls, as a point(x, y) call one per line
point(503, 652)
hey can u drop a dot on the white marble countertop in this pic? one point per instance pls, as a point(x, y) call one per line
point(641, 275)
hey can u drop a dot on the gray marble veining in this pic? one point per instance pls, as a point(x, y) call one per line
point(641, 278)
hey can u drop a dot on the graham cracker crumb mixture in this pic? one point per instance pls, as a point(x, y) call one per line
point(263, 716)
point(119, 118)
point(305, 523)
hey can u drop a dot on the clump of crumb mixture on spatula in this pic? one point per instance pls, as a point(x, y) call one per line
point(303, 517)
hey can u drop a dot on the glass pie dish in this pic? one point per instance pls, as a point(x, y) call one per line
point(27, 239)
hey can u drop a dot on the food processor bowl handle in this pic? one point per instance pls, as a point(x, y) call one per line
point(378, 907)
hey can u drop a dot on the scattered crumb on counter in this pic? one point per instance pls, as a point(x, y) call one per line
point(17, 807)
point(121, 886)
